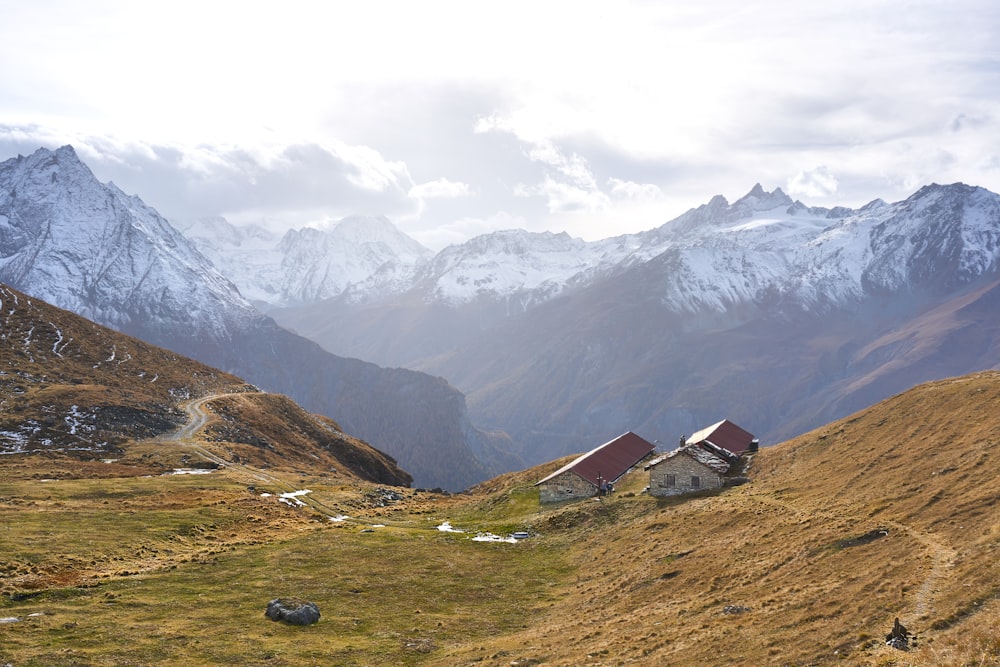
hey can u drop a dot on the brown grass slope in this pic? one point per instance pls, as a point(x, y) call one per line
point(123, 389)
point(70, 388)
point(272, 430)
point(889, 513)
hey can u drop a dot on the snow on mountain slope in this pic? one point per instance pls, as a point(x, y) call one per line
point(766, 250)
point(939, 238)
point(363, 256)
point(84, 246)
point(246, 254)
point(513, 262)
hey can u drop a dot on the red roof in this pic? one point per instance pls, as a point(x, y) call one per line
point(725, 434)
point(609, 461)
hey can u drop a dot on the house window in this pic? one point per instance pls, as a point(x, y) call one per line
point(695, 482)
point(669, 480)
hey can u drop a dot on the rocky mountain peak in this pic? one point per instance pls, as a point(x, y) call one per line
point(760, 200)
point(88, 247)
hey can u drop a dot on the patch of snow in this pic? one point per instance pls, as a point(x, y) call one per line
point(340, 518)
point(490, 537)
point(55, 345)
point(292, 498)
point(190, 471)
point(73, 419)
point(16, 442)
point(446, 527)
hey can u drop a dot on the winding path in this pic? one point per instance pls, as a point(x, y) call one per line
point(199, 416)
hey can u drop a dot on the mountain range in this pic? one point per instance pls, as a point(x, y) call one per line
point(776, 314)
point(87, 247)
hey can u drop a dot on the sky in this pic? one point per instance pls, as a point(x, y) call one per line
point(454, 119)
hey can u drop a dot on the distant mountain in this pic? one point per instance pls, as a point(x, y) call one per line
point(776, 314)
point(87, 247)
point(357, 255)
point(74, 388)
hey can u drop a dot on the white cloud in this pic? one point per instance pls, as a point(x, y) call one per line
point(562, 197)
point(622, 189)
point(572, 167)
point(440, 188)
point(818, 182)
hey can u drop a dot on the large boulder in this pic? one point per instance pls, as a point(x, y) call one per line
point(295, 612)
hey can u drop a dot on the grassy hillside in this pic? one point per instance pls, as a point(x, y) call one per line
point(76, 392)
point(67, 384)
point(888, 513)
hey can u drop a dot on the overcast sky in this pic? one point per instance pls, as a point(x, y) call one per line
point(457, 118)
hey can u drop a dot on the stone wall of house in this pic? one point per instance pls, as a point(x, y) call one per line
point(567, 486)
point(683, 468)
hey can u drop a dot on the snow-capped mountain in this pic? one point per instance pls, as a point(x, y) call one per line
point(775, 314)
point(510, 264)
point(761, 247)
point(361, 256)
point(89, 248)
point(246, 254)
point(765, 247)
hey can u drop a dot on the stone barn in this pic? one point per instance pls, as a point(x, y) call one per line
point(686, 469)
point(583, 477)
point(702, 460)
point(727, 436)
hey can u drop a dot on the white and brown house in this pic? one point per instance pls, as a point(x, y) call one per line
point(703, 460)
point(587, 474)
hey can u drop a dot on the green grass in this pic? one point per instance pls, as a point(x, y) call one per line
point(392, 596)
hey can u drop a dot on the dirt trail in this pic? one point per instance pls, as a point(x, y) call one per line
point(942, 555)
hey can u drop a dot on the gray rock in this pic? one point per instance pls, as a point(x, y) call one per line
point(295, 612)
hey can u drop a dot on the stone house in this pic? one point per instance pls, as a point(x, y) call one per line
point(584, 476)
